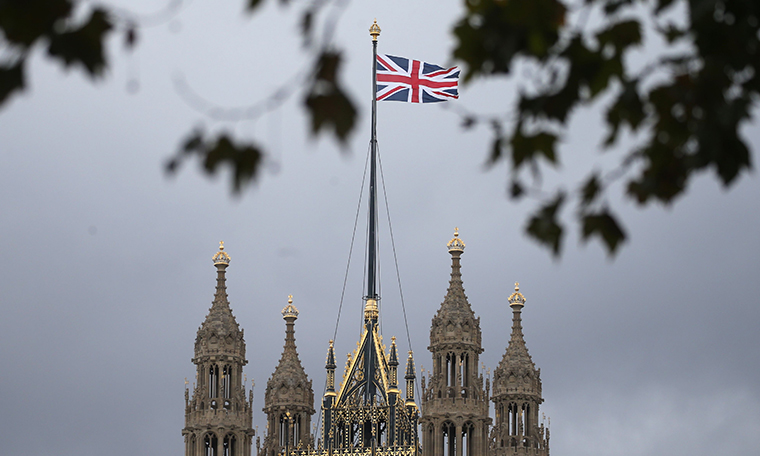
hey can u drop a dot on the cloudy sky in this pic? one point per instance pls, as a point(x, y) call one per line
point(107, 271)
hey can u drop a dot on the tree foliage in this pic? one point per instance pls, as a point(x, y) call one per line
point(684, 108)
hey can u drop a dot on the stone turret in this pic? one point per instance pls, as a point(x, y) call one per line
point(517, 395)
point(454, 400)
point(218, 417)
point(289, 398)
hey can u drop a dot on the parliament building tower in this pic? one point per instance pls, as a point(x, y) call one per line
point(454, 420)
point(218, 418)
point(289, 398)
point(517, 395)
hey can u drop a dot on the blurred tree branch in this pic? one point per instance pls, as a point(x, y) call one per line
point(684, 108)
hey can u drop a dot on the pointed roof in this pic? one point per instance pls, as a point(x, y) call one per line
point(517, 355)
point(220, 319)
point(289, 370)
point(357, 386)
point(455, 309)
point(220, 324)
point(289, 373)
point(516, 369)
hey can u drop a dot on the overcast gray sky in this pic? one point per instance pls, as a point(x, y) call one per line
point(107, 271)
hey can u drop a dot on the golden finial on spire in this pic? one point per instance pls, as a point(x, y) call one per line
point(517, 298)
point(370, 309)
point(455, 244)
point(221, 257)
point(374, 30)
point(290, 310)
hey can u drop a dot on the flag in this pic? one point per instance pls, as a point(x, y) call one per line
point(402, 79)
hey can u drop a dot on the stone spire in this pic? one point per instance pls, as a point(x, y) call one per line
point(289, 398)
point(218, 418)
point(220, 320)
point(454, 401)
point(455, 319)
point(516, 360)
point(517, 395)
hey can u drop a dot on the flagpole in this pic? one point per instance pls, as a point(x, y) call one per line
point(374, 32)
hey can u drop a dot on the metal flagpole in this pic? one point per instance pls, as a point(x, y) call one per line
point(374, 31)
point(371, 307)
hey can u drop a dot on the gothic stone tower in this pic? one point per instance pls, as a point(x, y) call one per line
point(517, 396)
point(454, 402)
point(289, 399)
point(218, 417)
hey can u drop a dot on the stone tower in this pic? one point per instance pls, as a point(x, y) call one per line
point(517, 395)
point(218, 418)
point(289, 399)
point(455, 419)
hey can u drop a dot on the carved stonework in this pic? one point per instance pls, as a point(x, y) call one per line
point(517, 395)
point(289, 398)
point(218, 417)
point(454, 420)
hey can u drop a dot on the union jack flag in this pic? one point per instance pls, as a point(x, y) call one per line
point(402, 79)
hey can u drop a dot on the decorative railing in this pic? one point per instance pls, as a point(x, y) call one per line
point(381, 451)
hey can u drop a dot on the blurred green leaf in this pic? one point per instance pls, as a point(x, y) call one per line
point(83, 45)
point(604, 226)
point(493, 32)
point(253, 4)
point(11, 80)
point(23, 22)
point(544, 227)
point(590, 190)
point(628, 109)
point(244, 159)
point(621, 35)
point(527, 147)
point(327, 103)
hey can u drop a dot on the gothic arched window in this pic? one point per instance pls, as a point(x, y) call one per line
point(468, 429)
point(229, 447)
point(227, 381)
point(191, 444)
point(213, 381)
point(430, 440)
point(283, 430)
point(210, 443)
point(449, 435)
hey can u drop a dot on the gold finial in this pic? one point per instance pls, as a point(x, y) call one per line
point(186, 382)
point(221, 257)
point(370, 309)
point(393, 340)
point(290, 310)
point(517, 298)
point(455, 244)
point(374, 31)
